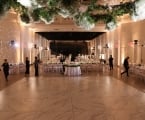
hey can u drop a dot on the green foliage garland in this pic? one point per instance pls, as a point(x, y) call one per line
point(48, 9)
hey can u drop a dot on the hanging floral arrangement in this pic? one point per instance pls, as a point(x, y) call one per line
point(85, 16)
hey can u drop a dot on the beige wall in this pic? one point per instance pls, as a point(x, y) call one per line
point(129, 33)
point(121, 43)
point(9, 30)
point(12, 29)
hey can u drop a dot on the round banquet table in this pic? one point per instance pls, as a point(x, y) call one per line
point(72, 70)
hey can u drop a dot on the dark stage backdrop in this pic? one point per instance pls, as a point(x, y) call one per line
point(67, 48)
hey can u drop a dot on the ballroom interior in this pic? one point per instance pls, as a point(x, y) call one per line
point(87, 89)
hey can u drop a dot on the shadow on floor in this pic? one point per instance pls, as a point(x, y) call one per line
point(132, 80)
point(11, 80)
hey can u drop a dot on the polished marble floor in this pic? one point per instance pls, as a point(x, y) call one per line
point(91, 96)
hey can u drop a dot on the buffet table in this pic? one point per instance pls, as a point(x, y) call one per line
point(72, 70)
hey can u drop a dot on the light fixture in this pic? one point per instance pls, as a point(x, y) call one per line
point(16, 45)
point(135, 42)
point(106, 46)
point(12, 43)
point(35, 46)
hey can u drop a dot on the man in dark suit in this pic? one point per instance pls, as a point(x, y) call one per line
point(5, 66)
point(126, 66)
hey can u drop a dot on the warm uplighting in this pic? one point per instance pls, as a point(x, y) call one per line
point(102, 56)
point(40, 48)
point(30, 45)
point(16, 45)
point(99, 47)
point(92, 48)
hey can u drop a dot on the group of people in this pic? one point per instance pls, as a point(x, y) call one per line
point(5, 66)
point(125, 64)
point(36, 66)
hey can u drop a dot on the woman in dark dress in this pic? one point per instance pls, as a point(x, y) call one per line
point(27, 63)
point(111, 62)
point(36, 66)
point(5, 66)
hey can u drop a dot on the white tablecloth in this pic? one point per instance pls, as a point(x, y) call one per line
point(72, 70)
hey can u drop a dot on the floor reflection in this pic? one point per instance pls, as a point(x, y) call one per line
point(54, 96)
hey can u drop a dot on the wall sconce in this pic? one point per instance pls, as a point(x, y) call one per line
point(106, 46)
point(35, 46)
point(135, 42)
point(12, 43)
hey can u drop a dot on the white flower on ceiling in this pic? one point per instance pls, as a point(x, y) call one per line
point(139, 13)
point(86, 23)
point(83, 8)
point(46, 21)
point(64, 13)
point(111, 25)
point(27, 3)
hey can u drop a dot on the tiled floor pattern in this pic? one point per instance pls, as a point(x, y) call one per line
point(53, 96)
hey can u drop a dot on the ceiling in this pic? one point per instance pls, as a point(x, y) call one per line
point(58, 29)
point(110, 2)
point(70, 35)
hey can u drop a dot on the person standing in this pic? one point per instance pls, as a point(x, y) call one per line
point(36, 66)
point(5, 66)
point(111, 62)
point(126, 66)
point(27, 64)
